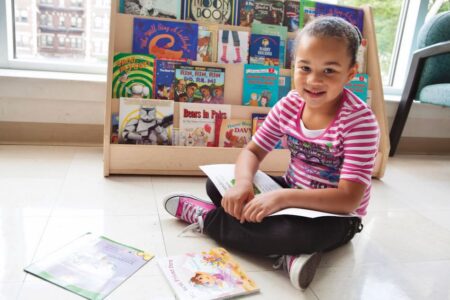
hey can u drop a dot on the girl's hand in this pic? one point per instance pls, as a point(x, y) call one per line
point(235, 198)
point(260, 207)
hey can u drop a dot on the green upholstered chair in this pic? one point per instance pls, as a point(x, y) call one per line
point(428, 78)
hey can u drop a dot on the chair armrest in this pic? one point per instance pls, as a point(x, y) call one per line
point(432, 50)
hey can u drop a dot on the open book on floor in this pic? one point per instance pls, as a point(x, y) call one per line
point(222, 175)
point(210, 274)
point(90, 266)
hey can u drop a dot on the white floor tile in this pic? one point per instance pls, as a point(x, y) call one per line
point(19, 238)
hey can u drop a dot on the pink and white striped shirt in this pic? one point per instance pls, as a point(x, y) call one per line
point(345, 150)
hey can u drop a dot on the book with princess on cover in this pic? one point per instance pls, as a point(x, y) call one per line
point(212, 274)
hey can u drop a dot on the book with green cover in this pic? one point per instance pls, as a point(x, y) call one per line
point(133, 75)
point(90, 266)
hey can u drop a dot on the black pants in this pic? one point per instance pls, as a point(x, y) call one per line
point(278, 234)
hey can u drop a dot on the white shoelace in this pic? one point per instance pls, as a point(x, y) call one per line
point(194, 227)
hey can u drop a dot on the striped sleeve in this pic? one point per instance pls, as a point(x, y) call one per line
point(270, 131)
point(361, 138)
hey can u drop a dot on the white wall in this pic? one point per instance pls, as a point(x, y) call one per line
point(79, 99)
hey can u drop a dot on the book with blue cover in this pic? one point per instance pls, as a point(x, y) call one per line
point(264, 50)
point(165, 39)
point(260, 85)
point(354, 16)
point(276, 30)
point(246, 12)
point(165, 75)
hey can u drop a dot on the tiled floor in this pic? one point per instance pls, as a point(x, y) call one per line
point(50, 195)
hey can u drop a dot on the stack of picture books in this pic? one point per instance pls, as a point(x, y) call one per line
point(160, 72)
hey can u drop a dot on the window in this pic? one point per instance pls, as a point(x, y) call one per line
point(39, 34)
point(21, 16)
point(62, 21)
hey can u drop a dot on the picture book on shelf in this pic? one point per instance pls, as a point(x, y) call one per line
point(91, 266)
point(198, 122)
point(145, 121)
point(361, 56)
point(354, 16)
point(207, 41)
point(291, 13)
point(246, 12)
point(232, 46)
point(165, 39)
point(152, 8)
point(233, 133)
point(289, 53)
point(257, 121)
point(264, 49)
point(222, 175)
point(284, 86)
point(274, 30)
point(359, 85)
point(260, 85)
point(216, 12)
point(212, 274)
point(199, 84)
point(307, 12)
point(133, 75)
point(164, 77)
point(269, 12)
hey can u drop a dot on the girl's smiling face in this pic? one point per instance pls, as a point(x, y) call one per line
point(322, 68)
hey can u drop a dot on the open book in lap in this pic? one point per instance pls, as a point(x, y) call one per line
point(222, 175)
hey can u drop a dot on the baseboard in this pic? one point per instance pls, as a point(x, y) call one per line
point(423, 145)
point(51, 134)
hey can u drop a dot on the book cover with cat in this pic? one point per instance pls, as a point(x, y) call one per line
point(260, 85)
point(232, 47)
point(145, 121)
point(133, 75)
point(264, 49)
point(199, 84)
point(164, 77)
point(170, 9)
point(213, 12)
point(165, 39)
